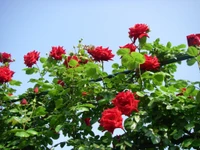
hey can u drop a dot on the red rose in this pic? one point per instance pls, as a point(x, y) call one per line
point(5, 74)
point(87, 121)
point(101, 54)
point(5, 57)
point(126, 102)
point(57, 52)
point(67, 60)
point(84, 93)
point(138, 31)
point(61, 83)
point(36, 90)
point(23, 102)
point(150, 64)
point(193, 40)
point(111, 119)
point(130, 46)
point(31, 58)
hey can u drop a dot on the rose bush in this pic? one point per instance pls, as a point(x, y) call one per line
point(79, 94)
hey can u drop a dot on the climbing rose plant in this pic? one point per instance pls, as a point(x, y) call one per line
point(141, 97)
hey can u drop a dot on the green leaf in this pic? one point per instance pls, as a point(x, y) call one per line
point(169, 45)
point(196, 142)
point(191, 61)
point(137, 118)
point(198, 58)
point(73, 63)
point(189, 90)
point(140, 94)
point(82, 109)
point(115, 66)
point(177, 135)
point(17, 130)
point(192, 51)
point(181, 46)
point(32, 132)
point(59, 103)
point(187, 143)
point(22, 134)
point(155, 138)
point(198, 97)
point(189, 126)
point(43, 59)
point(62, 144)
point(40, 111)
point(91, 71)
point(58, 127)
point(15, 82)
point(128, 143)
point(158, 78)
point(147, 46)
point(138, 58)
point(142, 40)
point(123, 51)
point(30, 71)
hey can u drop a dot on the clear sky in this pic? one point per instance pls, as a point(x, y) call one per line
point(27, 25)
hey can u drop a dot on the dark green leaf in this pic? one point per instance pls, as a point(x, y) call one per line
point(198, 96)
point(191, 62)
point(155, 138)
point(128, 143)
point(59, 103)
point(187, 143)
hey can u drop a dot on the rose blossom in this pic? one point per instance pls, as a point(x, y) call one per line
point(57, 52)
point(111, 119)
point(126, 102)
point(23, 102)
point(61, 82)
point(36, 90)
point(5, 74)
point(84, 93)
point(101, 54)
point(193, 40)
point(67, 60)
point(87, 121)
point(31, 58)
point(138, 31)
point(150, 64)
point(5, 57)
point(130, 46)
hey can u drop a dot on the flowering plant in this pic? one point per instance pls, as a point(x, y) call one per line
point(141, 98)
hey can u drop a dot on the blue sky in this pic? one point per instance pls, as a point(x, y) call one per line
point(27, 25)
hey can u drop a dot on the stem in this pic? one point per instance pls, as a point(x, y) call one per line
point(102, 66)
point(39, 71)
point(141, 81)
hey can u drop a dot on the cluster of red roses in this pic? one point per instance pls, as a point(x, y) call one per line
point(5, 73)
point(124, 104)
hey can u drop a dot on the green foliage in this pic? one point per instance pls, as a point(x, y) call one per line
point(168, 113)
